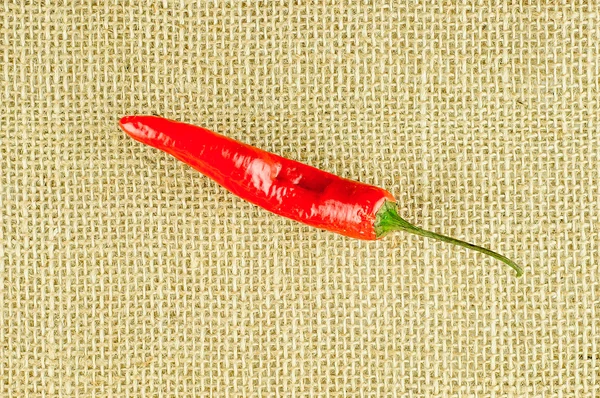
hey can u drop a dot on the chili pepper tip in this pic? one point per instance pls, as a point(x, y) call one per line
point(125, 119)
point(124, 122)
point(136, 128)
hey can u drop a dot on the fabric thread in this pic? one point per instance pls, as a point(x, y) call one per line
point(125, 273)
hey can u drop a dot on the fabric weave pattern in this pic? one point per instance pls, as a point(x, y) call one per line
point(124, 272)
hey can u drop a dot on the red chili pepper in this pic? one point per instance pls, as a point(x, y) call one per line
point(283, 186)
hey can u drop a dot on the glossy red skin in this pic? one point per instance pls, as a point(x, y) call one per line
point(283, 186)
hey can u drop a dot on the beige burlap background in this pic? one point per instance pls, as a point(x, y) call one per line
point(125, 273)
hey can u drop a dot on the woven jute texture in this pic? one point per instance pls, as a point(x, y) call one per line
point(123, 272)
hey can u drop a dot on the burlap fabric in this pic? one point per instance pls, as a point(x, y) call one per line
point(125, 273)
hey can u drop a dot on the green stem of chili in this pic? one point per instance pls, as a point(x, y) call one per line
point(388, 220)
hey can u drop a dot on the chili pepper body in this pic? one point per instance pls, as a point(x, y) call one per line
point(283, 186)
